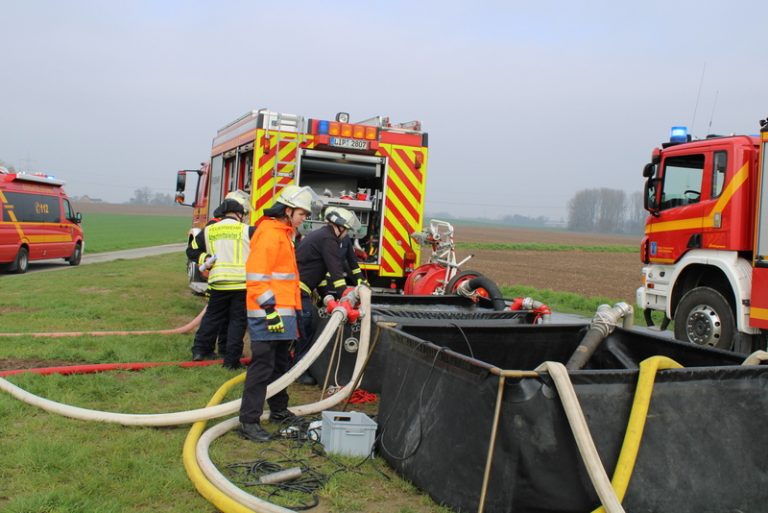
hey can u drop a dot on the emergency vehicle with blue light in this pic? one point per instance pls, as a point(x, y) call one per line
point(374, 168)
point(37, 221)
point(705, 247)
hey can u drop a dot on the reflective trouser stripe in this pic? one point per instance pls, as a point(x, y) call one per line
point(284, 312)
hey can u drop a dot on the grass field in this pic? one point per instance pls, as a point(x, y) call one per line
point(112, 232)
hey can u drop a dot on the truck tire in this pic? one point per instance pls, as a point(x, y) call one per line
point(77, 255)
point(21, 264)
point(705, 318)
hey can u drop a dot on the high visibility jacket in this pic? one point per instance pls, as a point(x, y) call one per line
point(228, 239)
point(272, 277)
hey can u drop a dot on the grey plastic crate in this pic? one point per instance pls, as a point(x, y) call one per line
point(347, 433)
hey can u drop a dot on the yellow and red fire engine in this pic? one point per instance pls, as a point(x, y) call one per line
point(375, 168)
point(706, 239)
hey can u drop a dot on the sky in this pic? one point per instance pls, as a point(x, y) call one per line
point(525, 103)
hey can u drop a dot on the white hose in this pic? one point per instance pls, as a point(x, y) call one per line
point(584, 441)
point(203, 445)
point(181, 417)
point(756, 358)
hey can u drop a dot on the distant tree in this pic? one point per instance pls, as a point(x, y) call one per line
point(582, 210)
point(636, 214)
point(606, 211)
point(141, 196)
point(610, 210)
point(520, 220)
point(161, 199)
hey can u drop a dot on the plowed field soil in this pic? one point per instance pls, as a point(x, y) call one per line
point(612, 275)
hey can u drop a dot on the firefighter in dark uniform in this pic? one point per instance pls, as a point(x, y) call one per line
point(229, 241)
point(318, 253)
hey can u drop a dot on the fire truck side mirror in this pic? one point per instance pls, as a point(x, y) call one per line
point(78, 218)
point(649, 170)
point(181, 184)
point(650, 196)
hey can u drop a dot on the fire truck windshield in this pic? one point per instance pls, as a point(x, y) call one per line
point(682, 181)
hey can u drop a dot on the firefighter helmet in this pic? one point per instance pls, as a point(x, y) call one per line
point(298, 197)
point(343, 218)
point(231, 205)
point(241, 197)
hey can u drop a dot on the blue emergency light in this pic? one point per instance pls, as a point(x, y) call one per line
point(322, 127)
point(678, 134)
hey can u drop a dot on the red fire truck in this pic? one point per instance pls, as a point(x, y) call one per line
point(373, 167)
point(706, 239)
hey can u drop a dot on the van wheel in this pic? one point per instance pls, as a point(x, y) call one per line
point(77, 255)
point(21, 264)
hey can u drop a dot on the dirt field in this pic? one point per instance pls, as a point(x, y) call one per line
point(612, 275)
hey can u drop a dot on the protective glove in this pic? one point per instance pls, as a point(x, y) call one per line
point(363, 281)
point(274, 321)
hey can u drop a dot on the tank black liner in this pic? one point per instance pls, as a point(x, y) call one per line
point(405, 309)
point(703, 449)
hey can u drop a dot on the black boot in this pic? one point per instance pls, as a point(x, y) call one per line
point(254, 432)
point(281, 417)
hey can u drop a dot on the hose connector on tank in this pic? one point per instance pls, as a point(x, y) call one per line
point(348, 305)
point(542, 313)
point(603, 323)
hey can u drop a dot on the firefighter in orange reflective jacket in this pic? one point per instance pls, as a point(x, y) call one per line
point(272, 299)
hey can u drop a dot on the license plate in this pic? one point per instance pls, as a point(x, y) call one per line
point(352, 144)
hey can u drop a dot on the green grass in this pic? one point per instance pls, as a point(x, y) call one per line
point(112, 232)
point(53, 464)
point(535, 246)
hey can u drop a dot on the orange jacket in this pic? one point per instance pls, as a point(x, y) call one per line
point(272, 278)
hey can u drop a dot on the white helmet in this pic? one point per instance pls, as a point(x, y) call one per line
point(241, 197)
point(298, 197)
point(342, 217)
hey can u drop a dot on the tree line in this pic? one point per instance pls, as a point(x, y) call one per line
point(606, 211)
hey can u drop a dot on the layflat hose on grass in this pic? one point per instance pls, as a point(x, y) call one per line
point(175, 418)
point(218, 480)
point(92, 368)
point(187, 328)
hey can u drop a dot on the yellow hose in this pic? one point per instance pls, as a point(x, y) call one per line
point(636, 424)
point(204, 487)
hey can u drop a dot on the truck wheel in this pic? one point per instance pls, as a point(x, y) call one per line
point(77, 255)
point(21, 264)
point(704, 317)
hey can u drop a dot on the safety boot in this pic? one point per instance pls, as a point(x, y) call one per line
point(282, 417)
point(254, 432)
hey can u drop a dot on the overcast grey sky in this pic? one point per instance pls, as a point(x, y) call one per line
point(525, 102)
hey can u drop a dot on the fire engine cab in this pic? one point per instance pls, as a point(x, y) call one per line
point(375, 168)
point(706, 239)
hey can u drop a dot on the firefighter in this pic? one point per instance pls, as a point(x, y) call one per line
point(193, 254)
point(272, 300)
point(352, 271)
point(318, 254)
point(228, 241)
